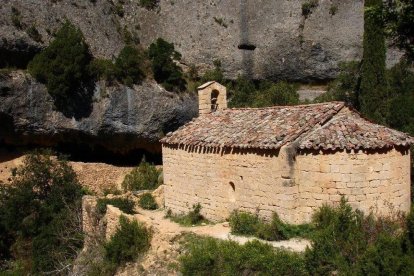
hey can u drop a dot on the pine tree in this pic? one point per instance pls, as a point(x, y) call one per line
point(373, 90)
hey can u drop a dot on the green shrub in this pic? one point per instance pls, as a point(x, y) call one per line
point(385, 257)
point(147, 202)
point(148, 4)
point(34, 34)
point(308, 7)
point(143, 177)
point(64, 67)
point(343, 236)
point(333, 10)
point(243, 223)
point(193, 217)
point(214, 75)
point(129, 66)
point(246, 93)
point(410, 229)
point(39, 210)
point(16, 18)
point(345, 86)
point(103, 69)
point(272, 94)
point(208, 256)
point(273, 231)
point(166, 72)
point(129, 241)
point(124, 204)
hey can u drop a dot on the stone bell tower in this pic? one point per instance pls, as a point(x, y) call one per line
point(212, 96)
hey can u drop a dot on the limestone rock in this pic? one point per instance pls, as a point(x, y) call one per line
point(121, 119)
point(264, 39)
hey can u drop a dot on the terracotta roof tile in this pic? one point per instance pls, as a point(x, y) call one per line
point(312, 126)
point(351, 131)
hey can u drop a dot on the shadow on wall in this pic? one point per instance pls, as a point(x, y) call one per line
point(245, 46)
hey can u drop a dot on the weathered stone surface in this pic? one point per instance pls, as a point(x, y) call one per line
point(121, 119)
point(286, 44)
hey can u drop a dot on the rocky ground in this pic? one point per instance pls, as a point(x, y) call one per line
point(97, 177)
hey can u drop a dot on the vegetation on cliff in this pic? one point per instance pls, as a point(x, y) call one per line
point(40, 217)
point(64, 67)
point(166, 72)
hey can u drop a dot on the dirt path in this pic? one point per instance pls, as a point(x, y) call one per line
point(220, 231)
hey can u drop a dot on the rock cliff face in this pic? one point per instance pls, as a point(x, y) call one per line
point(262, 38)
point(122, 119)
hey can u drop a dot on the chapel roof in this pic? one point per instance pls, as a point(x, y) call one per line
point(329, 125)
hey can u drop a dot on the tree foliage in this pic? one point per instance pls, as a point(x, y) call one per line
point(166, 72)
point(128, 66)
point(399, 22)
point(39, 215)
point(373, 93)
point(64, 67)
point(246, 93)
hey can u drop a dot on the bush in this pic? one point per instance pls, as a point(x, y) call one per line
point(243, 223)
point(147, 202)
point(64, 67)
point(208, 256)
point(214, 75)
point(193, 217)
point(345, 87)
point(166, 72)
point(148, 4)
point(385, 257)
point(16, 18)
point(308, 7)
point(128, 66)
point(272, 94)
point(129, 241)
point(342, 238)
point(39, 213)
point(246, 93)
point(124, 204)
point(143, 177)
point(34, 34)
point(103, 69)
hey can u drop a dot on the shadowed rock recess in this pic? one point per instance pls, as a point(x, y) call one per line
point(122, 119)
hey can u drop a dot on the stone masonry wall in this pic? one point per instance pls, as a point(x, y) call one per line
point(377, 181)
point(294, 187)
point(261, 182)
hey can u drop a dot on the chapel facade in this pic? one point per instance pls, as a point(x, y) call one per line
point(285, 159)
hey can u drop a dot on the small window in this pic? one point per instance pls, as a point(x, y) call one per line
point(214, 97)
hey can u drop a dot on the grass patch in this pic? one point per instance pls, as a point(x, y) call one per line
point(193, 217)
point(243, 223)
point(124, 204)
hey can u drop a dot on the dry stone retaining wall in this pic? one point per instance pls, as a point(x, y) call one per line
point(264, 182)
